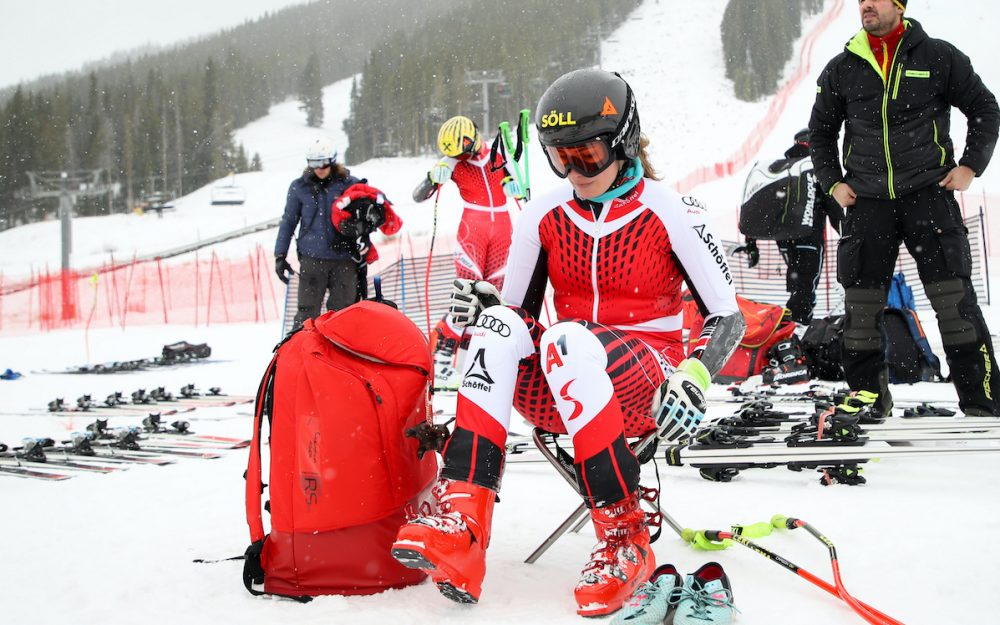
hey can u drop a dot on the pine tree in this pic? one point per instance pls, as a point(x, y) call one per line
point(311, 92)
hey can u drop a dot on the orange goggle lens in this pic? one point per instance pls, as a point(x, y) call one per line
point(589, 159)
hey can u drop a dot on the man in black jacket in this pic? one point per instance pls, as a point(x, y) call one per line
point(893, 88)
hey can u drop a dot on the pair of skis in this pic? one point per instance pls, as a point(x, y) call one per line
point(104, 451)
point(173, 354)
point(158, 401)
point(720, 453)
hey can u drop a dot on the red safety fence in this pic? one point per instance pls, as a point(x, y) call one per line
point(747, 152)
point(200, 291)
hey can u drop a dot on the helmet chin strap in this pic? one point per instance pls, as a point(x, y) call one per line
point(624, 182)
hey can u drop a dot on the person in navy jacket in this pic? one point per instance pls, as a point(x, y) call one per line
point(330, 261)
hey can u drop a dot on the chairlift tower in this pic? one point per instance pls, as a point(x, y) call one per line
point(485, 78)
point(67, 186)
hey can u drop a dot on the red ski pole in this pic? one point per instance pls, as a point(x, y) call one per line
point(865, 611)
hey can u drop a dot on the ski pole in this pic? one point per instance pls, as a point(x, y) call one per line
point(430, 257)
point(523, 125)
point(509, 148)
point(865, 611)
point(793, 523)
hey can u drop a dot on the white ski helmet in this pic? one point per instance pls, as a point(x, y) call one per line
point(321, 152)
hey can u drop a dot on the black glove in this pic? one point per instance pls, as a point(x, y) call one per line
point(282, 268)
point(750, 249)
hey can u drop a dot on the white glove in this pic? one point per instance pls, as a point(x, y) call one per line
point(679, 404)
point(469, 298)
point(440, 173)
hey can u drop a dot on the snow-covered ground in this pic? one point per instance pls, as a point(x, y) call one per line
point(915, 542)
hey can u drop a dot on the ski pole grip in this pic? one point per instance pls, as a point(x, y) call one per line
point(754, 530)
point(699, 540)
point(780, 520)
point(714, 535)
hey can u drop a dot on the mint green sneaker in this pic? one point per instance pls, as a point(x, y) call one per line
point(649, 603)
point(705, 599)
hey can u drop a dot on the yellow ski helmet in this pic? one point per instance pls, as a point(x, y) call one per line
point(459, 136)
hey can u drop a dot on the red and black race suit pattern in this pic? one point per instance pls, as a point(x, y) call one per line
point(623, 268)
point(484, 233)
point(636, 371)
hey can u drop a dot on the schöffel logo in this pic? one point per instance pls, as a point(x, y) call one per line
point(476, 376)
point(715, 250)
point(491, 323)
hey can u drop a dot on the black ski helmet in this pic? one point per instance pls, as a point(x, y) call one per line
point(589, 103)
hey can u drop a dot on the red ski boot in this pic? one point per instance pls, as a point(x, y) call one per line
point(620, 562)
point(450, 542)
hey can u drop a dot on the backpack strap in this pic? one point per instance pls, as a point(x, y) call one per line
point(253, 571)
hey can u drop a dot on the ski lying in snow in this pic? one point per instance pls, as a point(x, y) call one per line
point(126, 442)
point(24, 472)
point(152, 451)
point(190, 440)
point(11, 460)
point(153, 428)
point(812, 393)
point(80, 448)
point(704, 455)
point(115, 456)
point(124, 411)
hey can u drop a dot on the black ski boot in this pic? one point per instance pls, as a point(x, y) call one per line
point(787, 363)
point(183, 351)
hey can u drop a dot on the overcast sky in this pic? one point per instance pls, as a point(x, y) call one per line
point(43, 37)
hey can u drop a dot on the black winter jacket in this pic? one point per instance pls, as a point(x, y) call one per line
point(896, 137)
point(308, 206)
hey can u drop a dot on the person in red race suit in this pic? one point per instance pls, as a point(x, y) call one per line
point(616, 245)
point(484, 231)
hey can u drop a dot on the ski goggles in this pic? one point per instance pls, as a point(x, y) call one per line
point(589, 158)
point(319, 163)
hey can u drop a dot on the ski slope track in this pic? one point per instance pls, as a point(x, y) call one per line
point(917, 542)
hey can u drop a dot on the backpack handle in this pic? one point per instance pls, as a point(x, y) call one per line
point(254, 483)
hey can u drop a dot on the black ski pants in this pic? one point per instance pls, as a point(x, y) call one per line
point(343, 278)
point(804, 258)
point(929, 222)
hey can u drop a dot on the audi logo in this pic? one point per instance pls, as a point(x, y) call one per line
point(489, 322)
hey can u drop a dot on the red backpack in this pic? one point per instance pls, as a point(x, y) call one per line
point(764, 330)
point(338, 395)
